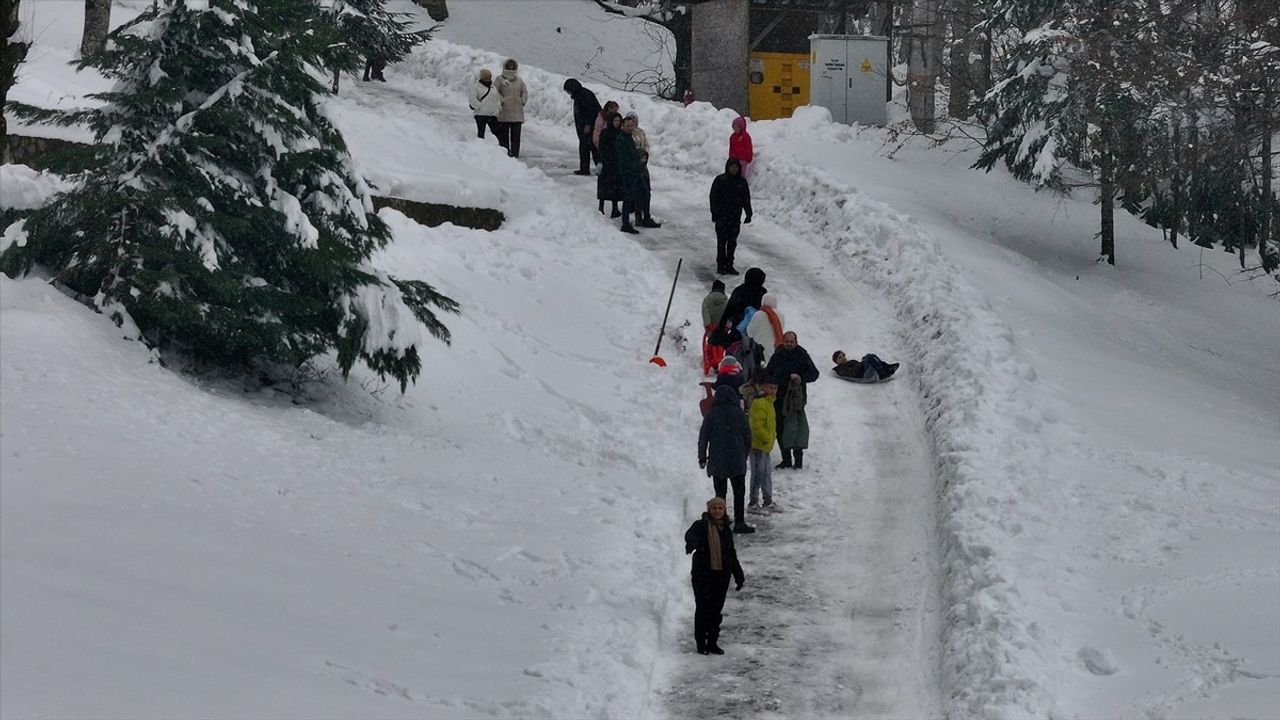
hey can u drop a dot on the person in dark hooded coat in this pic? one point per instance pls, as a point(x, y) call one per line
point(724, 441)
point(749, 294)
point(609, 181)
point(585, 109)
point(730, 197)
point(714, 561)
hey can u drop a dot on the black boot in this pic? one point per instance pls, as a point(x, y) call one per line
point(742, 528)
point(713, 648)
point(799, 459)
point(702, 645)
point(786, 460)
point(616, 212)
point(601, 207)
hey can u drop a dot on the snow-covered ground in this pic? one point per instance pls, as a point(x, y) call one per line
point(1068, 504)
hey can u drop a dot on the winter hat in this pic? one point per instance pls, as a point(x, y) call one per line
point(730, 364)
point(510, 64)
point(485, 74)
point(572, 85)
point(717, 286)
point(631, 116)
point(739, 123)
point(754, 276)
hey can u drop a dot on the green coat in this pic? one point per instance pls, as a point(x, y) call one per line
point(713, 306)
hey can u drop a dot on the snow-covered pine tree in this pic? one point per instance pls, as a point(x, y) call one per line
point(1066, 97)
point(222, 217)
point(368, 34)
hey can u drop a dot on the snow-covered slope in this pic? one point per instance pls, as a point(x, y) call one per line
point(1081, 459)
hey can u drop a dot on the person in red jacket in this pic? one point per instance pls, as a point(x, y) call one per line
point(740, 148)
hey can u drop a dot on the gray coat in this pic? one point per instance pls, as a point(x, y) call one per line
point(725, 438)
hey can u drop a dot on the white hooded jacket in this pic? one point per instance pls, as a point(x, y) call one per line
point(761, 330)
point(485, 100)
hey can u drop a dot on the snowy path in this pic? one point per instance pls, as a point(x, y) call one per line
point(839, 616)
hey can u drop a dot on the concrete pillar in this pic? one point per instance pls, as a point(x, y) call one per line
point(721, 36)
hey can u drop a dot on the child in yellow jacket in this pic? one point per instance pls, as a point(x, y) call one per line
point(764, 432)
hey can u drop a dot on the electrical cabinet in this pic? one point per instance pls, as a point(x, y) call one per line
point(847, 76)
point(778, 84)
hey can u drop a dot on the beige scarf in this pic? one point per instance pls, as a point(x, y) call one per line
point(713, 545)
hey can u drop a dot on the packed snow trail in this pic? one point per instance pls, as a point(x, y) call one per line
point(839, 615)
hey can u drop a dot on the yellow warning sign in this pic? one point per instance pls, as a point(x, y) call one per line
point(866, 65)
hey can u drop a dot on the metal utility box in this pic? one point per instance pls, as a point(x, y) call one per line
point(778, 84)
point(847, 76)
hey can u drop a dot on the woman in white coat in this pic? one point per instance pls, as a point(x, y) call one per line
point(767, 325)
point(514, 95)
point(486, 104)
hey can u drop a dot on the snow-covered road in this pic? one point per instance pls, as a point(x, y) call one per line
point(839, 616)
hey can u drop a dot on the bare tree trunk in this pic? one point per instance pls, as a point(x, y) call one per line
point(925, 64)
point(97, 23)
point(681, 26)
point(1107, 196)
point(1175, 183)
point(1265, 251)
point(14, 53)
point(969, 65)
point(1108, 192)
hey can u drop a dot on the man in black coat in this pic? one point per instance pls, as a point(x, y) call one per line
point(730, 197)
point(585, 109)
point(790, 362)
point(724, 441)
point(749, 294)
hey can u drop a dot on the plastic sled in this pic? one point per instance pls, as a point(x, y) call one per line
point(860, 381)
point(711, 354)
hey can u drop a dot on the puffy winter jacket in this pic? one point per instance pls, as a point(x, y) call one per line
point(713, 307)
point(725, 437)
point(485, 100)
point(761, 328)
point(730, 194)
point(514, 96)
point(764, 424)
point(740, 142)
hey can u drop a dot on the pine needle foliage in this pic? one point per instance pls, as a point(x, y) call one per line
point(221, 215)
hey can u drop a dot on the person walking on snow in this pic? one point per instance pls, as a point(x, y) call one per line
point(514, 95)
point(609, 182)
point(644, 214)
point(714, 561)
point(724, 440)
point(486, 104)
point(730, 197)
point(792, 365)
point(766, 327)
point(764, 431)
point(740, 147)
point(585, 109)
